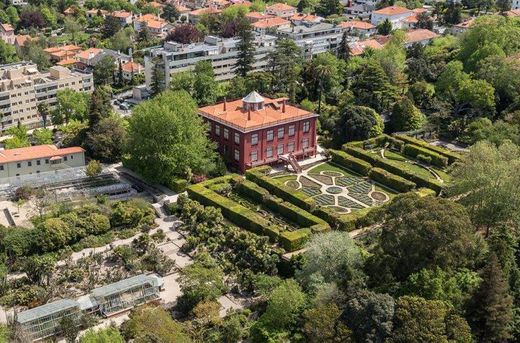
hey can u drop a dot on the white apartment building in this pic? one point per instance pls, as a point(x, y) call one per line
point(395, 14)
point(23, 87)
point(313, 39)
point(515, 5)
point(39, 159)
point(221, 52)
point(360, 8)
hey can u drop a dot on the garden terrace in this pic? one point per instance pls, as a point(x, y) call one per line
point(405, 157)
point(253, 208)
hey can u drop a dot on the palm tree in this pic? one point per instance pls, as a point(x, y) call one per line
point(43, 111)
point(322, 71)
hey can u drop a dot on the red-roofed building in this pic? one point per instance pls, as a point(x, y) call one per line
point(463, 27)
point(20, 40)
point(124, 17)
point(7, 33)
point(395, 14)
point(156, 25)
point(254, 131)
point(194, 16)
point(358, 48)
point(130, 69)
point(62, 53)
point(305, 19)
point(253, 17)
point(39, 159)
point(358, 27)
point(281, 10)
point(421, 36)
point(270, 25)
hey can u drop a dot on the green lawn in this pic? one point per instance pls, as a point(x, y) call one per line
point(391, 155)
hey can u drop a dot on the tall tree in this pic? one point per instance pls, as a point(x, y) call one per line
point(157, 82)
point(110, 27)
point(405, 116)
point(503, 5)
point(170, 12)
point(104, 71)
point(106, 139)
point(385, 27)
point(284, 63)
point(344, 51)
point(7, 53)
point(329, 7)
point(100, 106)
point(167, 138)
point(246, 51)
point(491, 313)
point(44, 112)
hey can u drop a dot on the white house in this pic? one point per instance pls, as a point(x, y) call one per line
point(7, 33)
point(515, 5)
point(395, 14)
point(38, 159)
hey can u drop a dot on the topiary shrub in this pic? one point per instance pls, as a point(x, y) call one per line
point(391, 180)
point(350, 162)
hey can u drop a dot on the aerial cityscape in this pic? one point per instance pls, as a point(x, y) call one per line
point(224, 171)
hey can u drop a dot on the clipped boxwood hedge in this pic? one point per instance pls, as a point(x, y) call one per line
point(394, 168)
point(436, 158)
point(178, 185)
point(258, 176)
point(391, 180)
point(351, 162)
point(452, 156)
point(294, 240)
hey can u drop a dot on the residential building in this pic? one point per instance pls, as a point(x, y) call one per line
point(462, 27)
point(358, 28)
point(155, 25)
point(87, 59)
point(96, 12)
point(194, 16)
point(313, 39)
point(253, 17)
point(360, 8)
point(271, 25)
point(513, 12)
point(124, 17)
point(19, 2)
point(515, 5)
point(130, 69)
point(419, 36)
point(7, 33)
point(221, 52)
point(359, 47)
point(395, 14)
point(23, 87)
point(20, 40)
point(305, 19)
point(44, 321)
point(258, 130)
point(38, 159)
point(281, 10)
point(62, 53)
point(411, 21)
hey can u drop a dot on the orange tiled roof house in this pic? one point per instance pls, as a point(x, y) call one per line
point(257, 130)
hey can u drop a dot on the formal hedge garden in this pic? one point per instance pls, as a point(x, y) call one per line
point(254, 208)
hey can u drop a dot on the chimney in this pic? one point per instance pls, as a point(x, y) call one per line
point(249, 114)
point(283, 106)
point(225, 104)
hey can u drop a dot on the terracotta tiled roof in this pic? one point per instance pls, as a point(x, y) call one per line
point(358, 48)
point(155, 4)
point(86, 55)
point(21, 39)
point(130, 67)
point(257, 15)
point(419, 35)
point(121, 14)
point(357, 24)
point(513, 13)
point(466, 24)
point(271, 114)
point(419, 10)
point(279, 7)
point(392, 10)
point(205, 10)
point(271, 22)
point(34, 152)
point(66, 62)
point(305, 17)
point(7, 27)
point(182, 8)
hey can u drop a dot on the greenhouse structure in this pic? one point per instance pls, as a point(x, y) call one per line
point(126, 293)
point(44, 321)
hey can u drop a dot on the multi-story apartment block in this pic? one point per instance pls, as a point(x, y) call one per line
point(313, 39)
point(281, 10)
point(255, 130)
point(360, 8)
point(23, 87)
point(222, 53)
point(7, 33)
point(39, 159)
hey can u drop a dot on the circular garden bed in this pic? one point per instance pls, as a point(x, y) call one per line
point(334, 190)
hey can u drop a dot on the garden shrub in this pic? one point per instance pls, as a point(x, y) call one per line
point(391, 180)
point(424, 192)
point(436, 158)
point(452, 156)
point(350, 162)
point(424, 159)
point(294, 240)
point(258, 176)
point(178, 185)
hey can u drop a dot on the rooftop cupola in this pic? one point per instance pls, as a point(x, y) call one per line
point(253, 102)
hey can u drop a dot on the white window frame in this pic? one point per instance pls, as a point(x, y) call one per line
point(281, 132)
point(269, 152)
point(226, 133)
point(270, 135)
point(278, 149)
point(305, 143)
point(290, 147)
point(306, 126)
point(217, 129)
point(237, 138)
point(237, 155)
point(254, 139)
point(292, 130)
point(254, 155)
